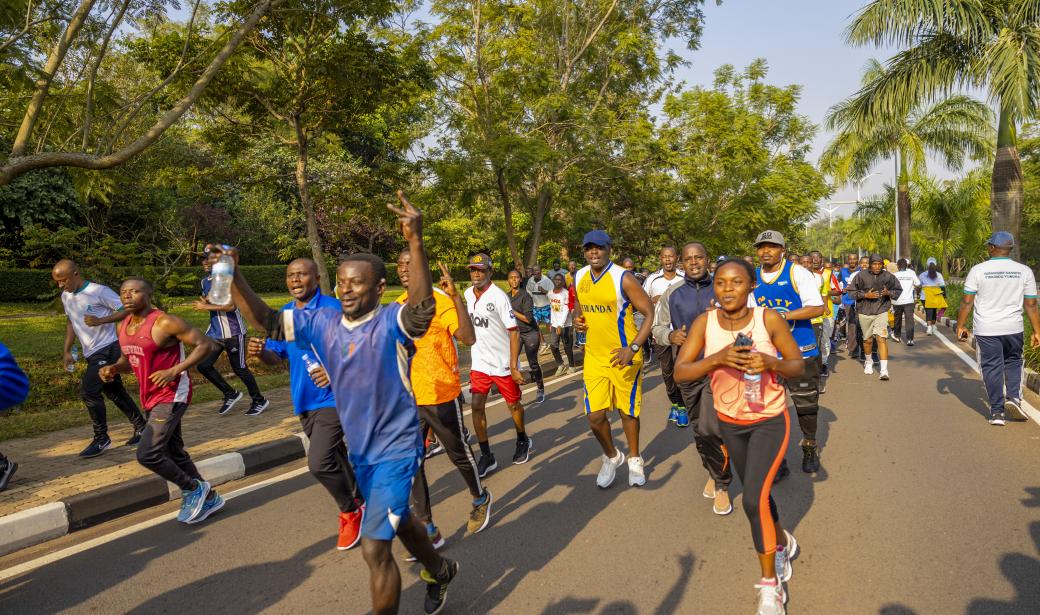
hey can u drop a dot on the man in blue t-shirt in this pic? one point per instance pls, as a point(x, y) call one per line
point(314, 404)
point(366, 349)
point(14, 388)
point(228, 329)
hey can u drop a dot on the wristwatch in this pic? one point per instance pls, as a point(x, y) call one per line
point(634, 347)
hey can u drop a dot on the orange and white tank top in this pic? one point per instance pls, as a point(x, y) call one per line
point(727, 384)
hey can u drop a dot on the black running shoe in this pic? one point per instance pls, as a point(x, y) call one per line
point(9, 467)
point(134, 439)
point(437, 588)
point(782, 473)
point(486, 465)
point(96, 447)
point(229, 402)
point(523, 451)
point(257, 407)
point(810, 459)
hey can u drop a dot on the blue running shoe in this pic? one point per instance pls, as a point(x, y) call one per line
point(213, 503)
point(193, 501)
point(673, 414)
point(684, 418)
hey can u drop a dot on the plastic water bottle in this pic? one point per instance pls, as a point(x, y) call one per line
point(752, 382)
point(223, 274)
point(312, 365)
point(75, 357)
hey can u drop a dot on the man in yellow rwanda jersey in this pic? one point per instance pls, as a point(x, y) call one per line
point(607, 296)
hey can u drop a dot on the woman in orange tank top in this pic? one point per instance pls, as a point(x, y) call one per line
point(754, 427)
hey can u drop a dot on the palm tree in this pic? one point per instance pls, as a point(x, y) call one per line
point(948, 129)
point(949, 44)
point(950, 209)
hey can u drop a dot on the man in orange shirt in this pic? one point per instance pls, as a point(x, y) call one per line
point(435, 383)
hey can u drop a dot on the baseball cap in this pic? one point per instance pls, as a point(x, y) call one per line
point(876, 258)
point(1002, 239)
point(770, 237)
point(596, 237)
point(931, 261)
point(479, 261)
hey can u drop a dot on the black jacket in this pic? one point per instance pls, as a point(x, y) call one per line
point(866, 281)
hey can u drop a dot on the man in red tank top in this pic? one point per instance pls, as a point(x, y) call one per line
point(152, 344)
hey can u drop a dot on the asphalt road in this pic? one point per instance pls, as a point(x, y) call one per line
point(921, 508)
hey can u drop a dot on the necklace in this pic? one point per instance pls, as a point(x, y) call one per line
point(739, 330)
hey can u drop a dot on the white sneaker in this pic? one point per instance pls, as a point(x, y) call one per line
point(884, 374)
point(868, 367)
point(928, 330)
point(609, 469)
point(784, 555)
point(636, 476)
point(771, 598)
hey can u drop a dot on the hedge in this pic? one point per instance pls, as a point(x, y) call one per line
point(36, 284)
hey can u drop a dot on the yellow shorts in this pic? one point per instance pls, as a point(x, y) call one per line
point(609, 387)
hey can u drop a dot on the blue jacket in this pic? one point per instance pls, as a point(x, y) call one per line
point(14, 384)
point(689, 300)
point(306, 395)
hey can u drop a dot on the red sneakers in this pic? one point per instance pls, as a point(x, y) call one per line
point(350, 528)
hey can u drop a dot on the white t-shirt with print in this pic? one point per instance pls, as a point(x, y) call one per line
point(95, 300)
point(657, 283)
point(545, 284)
point(493, 319)
point(1000, 285)
point(560, 314)
point(908, 280)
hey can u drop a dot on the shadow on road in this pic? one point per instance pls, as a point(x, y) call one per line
point(968, 391)
point(1023, 571)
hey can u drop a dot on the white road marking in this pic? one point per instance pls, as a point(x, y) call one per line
point(1027, 408)
point(50, 558)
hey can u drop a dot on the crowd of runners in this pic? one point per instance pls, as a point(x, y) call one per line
point(740, 339)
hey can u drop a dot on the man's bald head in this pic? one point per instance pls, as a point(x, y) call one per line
point(305, 262)
point(66, 275)
point(302, 280)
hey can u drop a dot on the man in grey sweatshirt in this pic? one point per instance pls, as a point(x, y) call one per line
point(873, 291)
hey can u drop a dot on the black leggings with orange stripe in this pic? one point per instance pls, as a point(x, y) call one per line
point(756, 451)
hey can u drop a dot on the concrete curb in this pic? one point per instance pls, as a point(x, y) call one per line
point(1032, 380)
point(83, 510)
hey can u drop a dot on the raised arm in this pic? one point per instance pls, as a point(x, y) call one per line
point(420, 309)
point(253, 308)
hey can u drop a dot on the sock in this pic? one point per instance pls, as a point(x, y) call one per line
point(485, 448)
point(521, 436)
point(884, 365)
point(481, 499)
point(431, 529)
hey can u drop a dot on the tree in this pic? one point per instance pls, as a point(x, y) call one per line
point(951, 129)
point(738, 153)
point(949, 207)
point(987, 44)
point(533, 94)
point(73, 48)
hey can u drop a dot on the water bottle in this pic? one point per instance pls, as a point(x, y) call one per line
point(752, 382)
point(223, 273)
point(312, 365)
point(75, 357)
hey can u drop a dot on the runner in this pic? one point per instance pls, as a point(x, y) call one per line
point(613, 362)
point(494, 360)
point(228, 329)
point(556, 270)
point(561, 325)
point(873, 290)
point(830, 290)
point(933, 289)
point(365, 348)
point(538, 286)
point(996, 290)
point(676, 312)
point(903, 305)
point(572, 268)
point(791, 290)
point(755, 434)
point(655, 286)
point(527, 327)
point(14, 388)
point(152, 342)
point(92, 309)
point(435, 382)
point(313, 402)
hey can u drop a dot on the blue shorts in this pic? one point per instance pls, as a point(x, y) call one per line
point(385, 486)
point(542, 314)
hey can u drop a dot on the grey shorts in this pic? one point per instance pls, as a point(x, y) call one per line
point(874, 326)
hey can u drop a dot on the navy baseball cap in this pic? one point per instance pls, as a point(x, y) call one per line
point(1002, 239)
point(479, 261)
point(596, 237)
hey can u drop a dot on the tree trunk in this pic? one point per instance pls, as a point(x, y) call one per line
point(507, 210)
point(541, 208)
point(903, 210)
point(313, 238)
point(1007, 195)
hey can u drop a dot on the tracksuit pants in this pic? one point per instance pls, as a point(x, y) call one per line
point(904, 313)
point(327, 457)
point(529, 343)
point(235, 347)
point(446, 422)
point(667, 358)
point(93, 392)
point(697, 398)
point(161, 449)
point(1001, 364)
point(805, 393)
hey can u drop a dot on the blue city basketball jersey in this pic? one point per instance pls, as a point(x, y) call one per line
point(369, 363)
point(782, 295)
